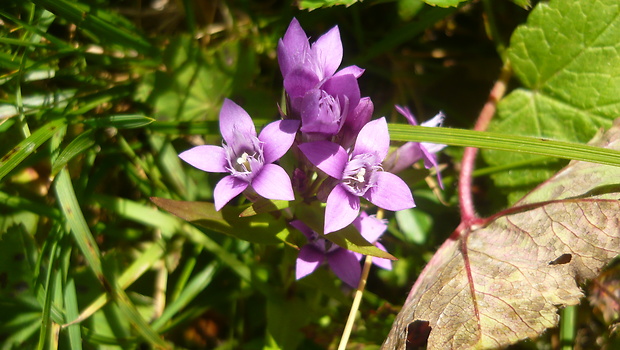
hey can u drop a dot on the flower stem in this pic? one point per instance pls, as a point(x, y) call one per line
point(468, 213)
point(346, 333)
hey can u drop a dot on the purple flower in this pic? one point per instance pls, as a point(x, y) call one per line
point(246, 157)
point(319, 95)
point(372, 229)
point(409, 153)
point(343, 262)
point(359, 175)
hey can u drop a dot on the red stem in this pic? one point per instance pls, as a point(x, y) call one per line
point(468, 213)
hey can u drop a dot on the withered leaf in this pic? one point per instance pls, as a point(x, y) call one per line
point(491, 286)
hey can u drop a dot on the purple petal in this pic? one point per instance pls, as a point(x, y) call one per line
point(235, 123)
point(328, 52)
point(370, 227)
point(327, 156)
point(360, 115)
point(303, 228)
point(341, 209)
point(346, 266)
point(355, 70)
point(300, 80)
point(320, 113)
point(341, 87)
point(272, 182)
point(355, 121)
point(374, 138)
point(406, 112)
point(380, 262)
point(292, 48)
point(228, 188)
point(308, 260)
point(403, 157)
point(390, 192)
point(206, 158)
point(430, 161)
point(277, 138)
point(435, 121)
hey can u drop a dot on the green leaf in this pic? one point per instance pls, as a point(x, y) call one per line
point(261, 228)
point(349, 238)
point(444, 3)
point(566, 57)
point(264, 205)
point(196, 81)
point(316, 4)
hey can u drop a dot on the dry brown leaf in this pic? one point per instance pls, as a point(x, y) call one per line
point(503, 281)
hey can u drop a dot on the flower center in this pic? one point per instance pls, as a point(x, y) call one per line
point(244, 160)
point(243, 163)
point(360, 174)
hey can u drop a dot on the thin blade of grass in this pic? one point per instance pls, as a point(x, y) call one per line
point(78, 145)
point(99, 24)
point(146, 260)
point(193, 288)
point(15, 156)
point(505, 142)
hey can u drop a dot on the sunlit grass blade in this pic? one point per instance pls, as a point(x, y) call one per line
point(78, 145)
point(15, 156)
point(100, 24)
point(145, 330)
point(77, 223)
point(127, 121)
point(72, 312)
point(193, 288)
point(505, 142)
point(46, 319)
point(129, 276)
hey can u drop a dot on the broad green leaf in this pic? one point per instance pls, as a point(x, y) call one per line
point(566, 57)
point(264, 205)
point(261, 228)
point(444, 3)
point(196, 81)
point(503, 279)
point(316, 4)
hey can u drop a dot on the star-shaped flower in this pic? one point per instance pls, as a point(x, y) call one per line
point(411, 152)
point(319, 95)
point(359, 175)
point(318, 250)
point(247, 158)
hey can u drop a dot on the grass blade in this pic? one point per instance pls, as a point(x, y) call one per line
point(505, 142)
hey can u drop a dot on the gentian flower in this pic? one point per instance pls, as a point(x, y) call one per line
point(372, 229)
point(319, 95)
point(318, 250)
point(359, 175)
point(411, 152)
point(247, 158)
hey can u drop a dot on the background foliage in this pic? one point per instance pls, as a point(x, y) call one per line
point(99, 97)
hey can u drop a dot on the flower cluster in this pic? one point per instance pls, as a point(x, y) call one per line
point(342, 155)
